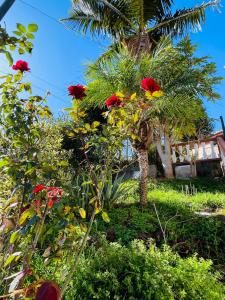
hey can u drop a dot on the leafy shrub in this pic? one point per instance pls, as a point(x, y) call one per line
point(114, 190)
point(138, 272)
point(185, 231)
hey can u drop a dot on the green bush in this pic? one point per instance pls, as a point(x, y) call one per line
point(185, 231)
point(140, 272)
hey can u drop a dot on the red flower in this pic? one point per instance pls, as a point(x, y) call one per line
point(149, 84)
point(21, 65)
point(54, 194)
point(49, 290)
point(77, 91)
point(114, 101)
point(50, 203)
point(38, 188)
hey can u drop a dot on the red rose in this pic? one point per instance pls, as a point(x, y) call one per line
point(149, 84)
point(38, 188)
point(114, 101)
point(49, 290)
point(21, 65)
point(77, 91)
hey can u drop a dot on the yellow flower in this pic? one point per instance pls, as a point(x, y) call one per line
point(67, 209)
point(133, 96)
point(120, 95)
point(148, 95)
point(158, 94)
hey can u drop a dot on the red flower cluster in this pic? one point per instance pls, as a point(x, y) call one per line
point(54, 194)
point(77, 91)
point(113, 101)
point(149, 84)
point(21, 65)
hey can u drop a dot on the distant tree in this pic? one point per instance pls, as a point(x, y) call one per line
point(204, 127)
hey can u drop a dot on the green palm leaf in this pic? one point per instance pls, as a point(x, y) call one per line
point(126, 18)
point(94, 15)
point(182, 20)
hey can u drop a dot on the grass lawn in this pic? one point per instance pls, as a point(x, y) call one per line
point(188, 223)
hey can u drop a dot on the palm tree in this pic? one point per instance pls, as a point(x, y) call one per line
point(185, 79)
point(138, 23)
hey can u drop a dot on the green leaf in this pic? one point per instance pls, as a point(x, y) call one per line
point(12, 47)
point(29, 213)
point(83, 228)
point(86, 183)
point(9, 58)
point(11, 258)
point(4, 162)
point(30, 35)
point(33, 27)
point(21, 51)
point(82, 213)
point(21, 28)
point(17, 33)
point(105, 217)
point(14, 237)
point(95, 124)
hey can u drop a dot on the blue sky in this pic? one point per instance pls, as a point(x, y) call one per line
point(59, 55)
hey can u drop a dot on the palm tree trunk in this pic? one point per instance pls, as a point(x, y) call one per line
point(144, 172)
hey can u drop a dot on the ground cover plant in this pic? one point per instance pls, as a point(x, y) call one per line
point(144, 272)
point(188, 223)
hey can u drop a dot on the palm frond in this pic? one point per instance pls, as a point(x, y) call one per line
point(110, 52)
point(184, 19)
point(174, 67)
point(100, 17)
point(156, 11)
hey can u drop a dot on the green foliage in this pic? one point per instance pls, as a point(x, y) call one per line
point(204, 126)
point(36, 215)
point(141, 272)
point(178, 71)
point(187, 230)
point(74, 145)
point(20, 41)
point(55, 161)
point(113, 191)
